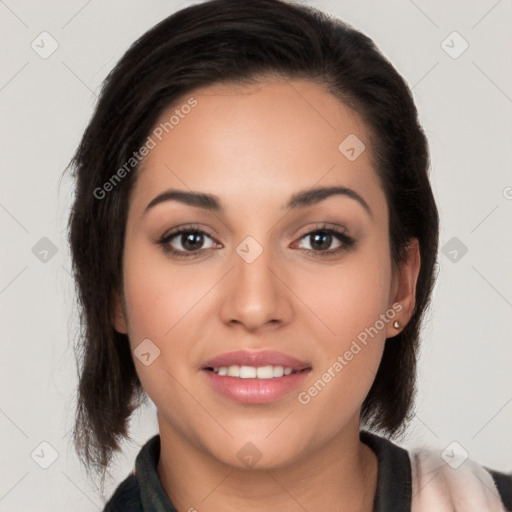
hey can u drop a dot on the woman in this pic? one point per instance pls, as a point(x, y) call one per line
point(254, 239)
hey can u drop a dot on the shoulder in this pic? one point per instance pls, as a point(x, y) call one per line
point(126, 497)
point(421, 480)
point(503, 483)
point(456, 484)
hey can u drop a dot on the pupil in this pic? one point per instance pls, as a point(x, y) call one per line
point(319, 240)
point(192, 240)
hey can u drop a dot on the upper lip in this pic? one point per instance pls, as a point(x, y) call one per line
point(256, 359)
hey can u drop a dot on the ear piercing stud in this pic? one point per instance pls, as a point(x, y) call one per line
point(396, 324)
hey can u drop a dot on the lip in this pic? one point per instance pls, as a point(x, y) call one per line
point(255, 391)
point(260, 358)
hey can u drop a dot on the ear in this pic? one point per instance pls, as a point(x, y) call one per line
point(118, 314)
point(403, 289)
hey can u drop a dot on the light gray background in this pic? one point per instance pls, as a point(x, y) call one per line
point(465, 106)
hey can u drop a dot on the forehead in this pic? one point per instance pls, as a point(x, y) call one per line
point(246, 143)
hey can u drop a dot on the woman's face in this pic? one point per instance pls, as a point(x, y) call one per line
point(260, 284)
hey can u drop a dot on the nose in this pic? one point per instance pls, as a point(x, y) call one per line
point(255, 293)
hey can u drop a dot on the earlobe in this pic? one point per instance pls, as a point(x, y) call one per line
point(405, 294)
point(118, 314)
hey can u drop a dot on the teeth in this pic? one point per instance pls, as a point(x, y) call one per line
point(247, 372)
point(234, 371)
point(278, 371)
point(250, 372)
point(265, 372)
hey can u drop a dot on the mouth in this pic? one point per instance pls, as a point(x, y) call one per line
point(255, 377)
point(251, 372)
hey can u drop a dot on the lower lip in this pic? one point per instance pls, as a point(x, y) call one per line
point(255, 391)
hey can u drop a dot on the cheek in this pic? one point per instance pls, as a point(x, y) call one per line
point(348, 302)
point(167, 304)
point(161, 301)
point(349, 297)
point(160, 294)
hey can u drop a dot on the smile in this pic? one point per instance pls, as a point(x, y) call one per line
point(255, 377)
point(251, 372)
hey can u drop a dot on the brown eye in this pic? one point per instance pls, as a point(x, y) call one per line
point(186, 242)
point(320, 241)
point(191, 241)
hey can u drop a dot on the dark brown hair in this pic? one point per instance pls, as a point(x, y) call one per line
point(232, 41)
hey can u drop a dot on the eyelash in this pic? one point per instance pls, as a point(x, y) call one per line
point(347, 242)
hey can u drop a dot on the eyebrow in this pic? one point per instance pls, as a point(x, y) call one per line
point(301, 199)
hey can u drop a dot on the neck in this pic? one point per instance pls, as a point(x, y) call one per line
point(341, 476)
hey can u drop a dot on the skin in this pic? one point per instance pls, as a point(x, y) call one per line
point(254, 146)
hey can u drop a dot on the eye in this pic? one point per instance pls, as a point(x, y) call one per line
point(186, 241)
point(192, 241)
point(320, 241)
